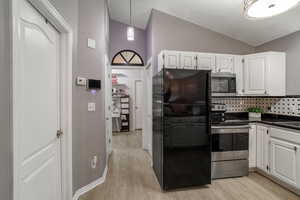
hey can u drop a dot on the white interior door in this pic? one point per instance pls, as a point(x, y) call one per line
point(138, 104)
point(108, 106)
point(37, 102)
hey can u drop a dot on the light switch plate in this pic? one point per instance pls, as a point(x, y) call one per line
point(91, 43)
point(92, 107)
point(81, 81)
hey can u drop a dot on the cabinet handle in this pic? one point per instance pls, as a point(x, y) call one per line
point(295, 148)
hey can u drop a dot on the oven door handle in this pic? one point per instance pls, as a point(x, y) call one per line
point(231, 127)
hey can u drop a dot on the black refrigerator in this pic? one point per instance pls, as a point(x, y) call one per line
point(182, 128)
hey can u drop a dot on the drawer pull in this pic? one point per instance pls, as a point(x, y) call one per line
point(295, 148)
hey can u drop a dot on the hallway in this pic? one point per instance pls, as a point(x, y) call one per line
point(130, 177)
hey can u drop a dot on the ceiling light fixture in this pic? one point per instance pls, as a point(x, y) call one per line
point(130, 29)
point(259, 9)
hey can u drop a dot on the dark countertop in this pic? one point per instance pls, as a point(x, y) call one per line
point(269, 119)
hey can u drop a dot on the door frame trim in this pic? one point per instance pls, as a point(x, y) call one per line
point(134, 102)
point(66, 56)
point(147, 144)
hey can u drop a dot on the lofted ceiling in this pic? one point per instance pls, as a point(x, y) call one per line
point(223, 16)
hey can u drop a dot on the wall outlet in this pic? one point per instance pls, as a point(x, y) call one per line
point(94, 162)
point(92, 107)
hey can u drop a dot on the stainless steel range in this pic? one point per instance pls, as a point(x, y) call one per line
point(230, 145)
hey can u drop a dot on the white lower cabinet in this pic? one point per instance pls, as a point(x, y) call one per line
point(285, 156)
point(262, 148)
point(277, 153)
point(252, 146)
point(285, 161)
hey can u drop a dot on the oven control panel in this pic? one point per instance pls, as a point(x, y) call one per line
point(218, 107)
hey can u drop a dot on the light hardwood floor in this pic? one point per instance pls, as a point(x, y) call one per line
point(130, 177)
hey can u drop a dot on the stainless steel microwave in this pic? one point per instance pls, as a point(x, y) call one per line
point(223, 84)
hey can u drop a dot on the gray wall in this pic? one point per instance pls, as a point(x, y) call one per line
point(149, 38)
point(172, 33)
point(5, 139)
point(291, 45)
point(87, 20)
point(118, 40)
point(89, 127)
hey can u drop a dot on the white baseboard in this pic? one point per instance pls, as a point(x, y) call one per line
point(90, 186)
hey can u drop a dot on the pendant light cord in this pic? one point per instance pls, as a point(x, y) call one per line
point(130, 13)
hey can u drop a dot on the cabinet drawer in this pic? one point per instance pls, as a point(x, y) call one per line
point(287, 135)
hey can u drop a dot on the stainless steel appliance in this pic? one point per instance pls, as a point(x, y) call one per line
point(230, 147)
point(223, 84)
point(181, 128)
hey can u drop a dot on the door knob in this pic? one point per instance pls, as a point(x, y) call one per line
point(59, 133)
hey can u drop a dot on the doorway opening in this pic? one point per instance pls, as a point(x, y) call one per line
point(127, 103)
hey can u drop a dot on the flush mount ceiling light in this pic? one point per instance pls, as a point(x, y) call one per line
point(257, 9)
point(130, 29)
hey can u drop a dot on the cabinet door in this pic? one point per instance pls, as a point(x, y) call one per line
point(188, 60)
point(206, 62)
point(171, 59)
point(266, 149)
point(255, 75)
point(284, 160)
point(239, 71)
point(259, 145)
point(262, 148)
point(225, 63)
point(252, 146)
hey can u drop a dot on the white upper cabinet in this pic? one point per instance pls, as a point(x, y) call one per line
point(206, 61)
point(170, 59)
point(225, 63)
point(239, 72)
point(188, 60)
point(255, 75)
point(261, 74)
point(265, 74)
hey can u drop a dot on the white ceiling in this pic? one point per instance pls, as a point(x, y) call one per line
point(223, 16)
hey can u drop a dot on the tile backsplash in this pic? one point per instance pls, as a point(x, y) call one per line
point(281, 106)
